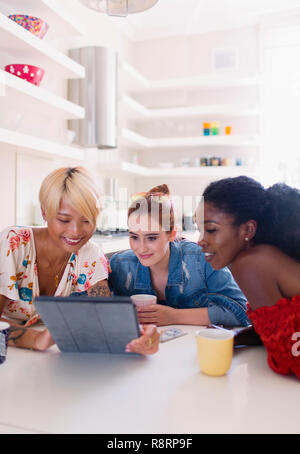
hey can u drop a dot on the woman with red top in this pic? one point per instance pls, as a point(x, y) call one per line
point(256, 233)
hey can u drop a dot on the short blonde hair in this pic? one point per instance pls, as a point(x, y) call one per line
point(74, 185)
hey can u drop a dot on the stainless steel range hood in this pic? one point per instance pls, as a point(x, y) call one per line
point(97, 93)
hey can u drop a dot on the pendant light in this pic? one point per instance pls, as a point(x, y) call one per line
point(119, 7)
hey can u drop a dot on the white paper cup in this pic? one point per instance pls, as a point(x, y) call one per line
point(143, 300)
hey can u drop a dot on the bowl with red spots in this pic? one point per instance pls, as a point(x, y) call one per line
point(34, 25)
point(32, 74)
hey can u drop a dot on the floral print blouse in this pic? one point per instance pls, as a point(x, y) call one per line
point(19, 276)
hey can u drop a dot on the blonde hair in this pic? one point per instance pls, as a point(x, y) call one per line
point(157, 203)
point(74, 185)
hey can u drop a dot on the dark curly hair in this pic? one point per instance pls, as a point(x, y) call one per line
point(276, 210)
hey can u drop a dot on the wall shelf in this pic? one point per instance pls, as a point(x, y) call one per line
point(18, 92)
point(134, 81)
point(136, 111)
point(60, 20)
point(39, 147)
point(19, 42)
point(137, 141)
point(162, 93)
point(115, 167)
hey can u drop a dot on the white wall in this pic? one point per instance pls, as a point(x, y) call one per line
point(191, 55)
point(281, 103)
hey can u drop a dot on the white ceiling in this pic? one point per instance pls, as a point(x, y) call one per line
point(175, 17)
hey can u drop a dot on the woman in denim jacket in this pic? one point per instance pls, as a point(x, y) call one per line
point(188, 290)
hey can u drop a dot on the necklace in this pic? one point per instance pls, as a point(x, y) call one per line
point(56, 276)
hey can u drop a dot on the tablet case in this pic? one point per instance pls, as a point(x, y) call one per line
point(88, 324)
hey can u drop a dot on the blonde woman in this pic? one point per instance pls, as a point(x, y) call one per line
point(56, 260)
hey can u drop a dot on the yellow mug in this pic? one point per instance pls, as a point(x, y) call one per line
point(215, 350)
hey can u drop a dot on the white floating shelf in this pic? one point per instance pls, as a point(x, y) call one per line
point(124, 167)
point(136, 111)
point(210, 171)
point(60, 19)
point(40, 147)
point(133, 139)
point(134, 81)
point(19, 93)
point(19, 44)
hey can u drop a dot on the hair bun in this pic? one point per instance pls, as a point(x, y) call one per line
point(160, 189)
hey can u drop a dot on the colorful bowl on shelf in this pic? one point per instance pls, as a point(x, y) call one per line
point(32, 74)
point(33, 24)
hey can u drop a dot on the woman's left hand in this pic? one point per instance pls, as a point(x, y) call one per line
point(147, 343)
point(158, 314)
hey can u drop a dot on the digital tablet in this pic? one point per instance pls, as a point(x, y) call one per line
point(88, 324)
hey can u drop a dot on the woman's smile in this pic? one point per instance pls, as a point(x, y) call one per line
point(72, 241)
point(145, 256)
point(209, 256)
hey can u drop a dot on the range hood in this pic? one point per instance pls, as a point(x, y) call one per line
point(97, 93)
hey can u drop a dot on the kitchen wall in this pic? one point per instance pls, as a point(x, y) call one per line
point(193, 56)
point(281, 100)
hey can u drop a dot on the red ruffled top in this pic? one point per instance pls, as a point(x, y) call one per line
point(279, 329)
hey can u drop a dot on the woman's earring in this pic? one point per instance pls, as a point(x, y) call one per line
point(247, 243)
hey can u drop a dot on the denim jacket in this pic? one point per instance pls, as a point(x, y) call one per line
point(192, 283)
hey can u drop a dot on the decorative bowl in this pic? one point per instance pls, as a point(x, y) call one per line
point(32, 74)
point(33, 24)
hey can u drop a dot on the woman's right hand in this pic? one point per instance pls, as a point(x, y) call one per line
point(43, 340)
point(147, 343)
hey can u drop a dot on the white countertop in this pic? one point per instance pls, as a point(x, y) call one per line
point(164, 393)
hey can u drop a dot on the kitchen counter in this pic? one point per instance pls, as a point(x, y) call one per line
point(51, 392)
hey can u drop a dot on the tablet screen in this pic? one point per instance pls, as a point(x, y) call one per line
point(89, 325)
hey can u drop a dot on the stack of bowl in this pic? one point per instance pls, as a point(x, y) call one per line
point(39, 28)
point(33, 24)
